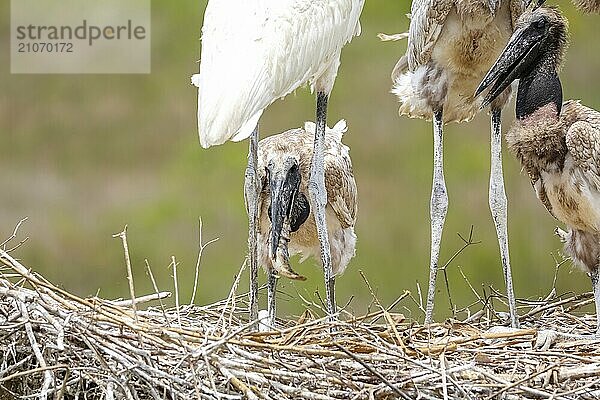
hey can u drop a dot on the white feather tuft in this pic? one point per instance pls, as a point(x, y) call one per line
point(310, 127)
point(384, 37)
point(338, 129)
point(196, 80)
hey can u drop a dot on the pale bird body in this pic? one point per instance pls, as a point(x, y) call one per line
point(449, 54)
point(451, 45)
point(557, 143)
point(286, 225)
point(257, 51)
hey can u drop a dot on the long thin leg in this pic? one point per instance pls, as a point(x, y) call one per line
point(498, 207)
point(595, 275)
point(318, 195)
point(271, 291)
point(251, 191)
point(438, 209)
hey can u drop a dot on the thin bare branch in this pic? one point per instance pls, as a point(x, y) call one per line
point(123, 236)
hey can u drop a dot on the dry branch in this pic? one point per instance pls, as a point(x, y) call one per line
point(55, 344)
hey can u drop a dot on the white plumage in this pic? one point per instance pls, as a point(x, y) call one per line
point(257, 51)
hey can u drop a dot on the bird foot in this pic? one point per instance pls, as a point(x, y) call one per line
point(546, 338)
point(265, 324)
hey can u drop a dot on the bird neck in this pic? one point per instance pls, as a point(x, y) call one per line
point(537, 89)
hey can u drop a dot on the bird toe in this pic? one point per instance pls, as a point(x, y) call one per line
point(545, 339)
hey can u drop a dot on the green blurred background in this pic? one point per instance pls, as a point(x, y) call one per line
point(83, 155)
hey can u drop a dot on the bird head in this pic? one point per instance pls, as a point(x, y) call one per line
point(538, 43)
point(284, 177)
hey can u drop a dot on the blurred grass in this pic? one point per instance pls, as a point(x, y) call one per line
point(83, 155)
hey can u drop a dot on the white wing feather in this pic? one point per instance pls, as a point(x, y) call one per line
point(257, 51)
point(427, 19)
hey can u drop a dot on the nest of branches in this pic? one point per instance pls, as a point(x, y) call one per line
point(57, 345)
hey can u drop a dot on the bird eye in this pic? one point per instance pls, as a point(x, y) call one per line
point(540, 23)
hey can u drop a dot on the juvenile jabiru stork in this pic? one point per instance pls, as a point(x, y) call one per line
point(255, 52)
point(285, 224)
point(558, 144)
point(451, 46)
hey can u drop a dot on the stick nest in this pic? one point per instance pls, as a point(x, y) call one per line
point(57, 345)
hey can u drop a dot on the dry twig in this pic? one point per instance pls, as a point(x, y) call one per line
point(55, 344)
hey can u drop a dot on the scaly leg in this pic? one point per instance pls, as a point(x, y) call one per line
point(438, 209)
point(271, 292)
point(251, 192)
point(498, 207)
point(595, 275)
point(318, 195)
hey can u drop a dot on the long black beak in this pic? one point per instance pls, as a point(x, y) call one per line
point(512, 63)
point(284, 189)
